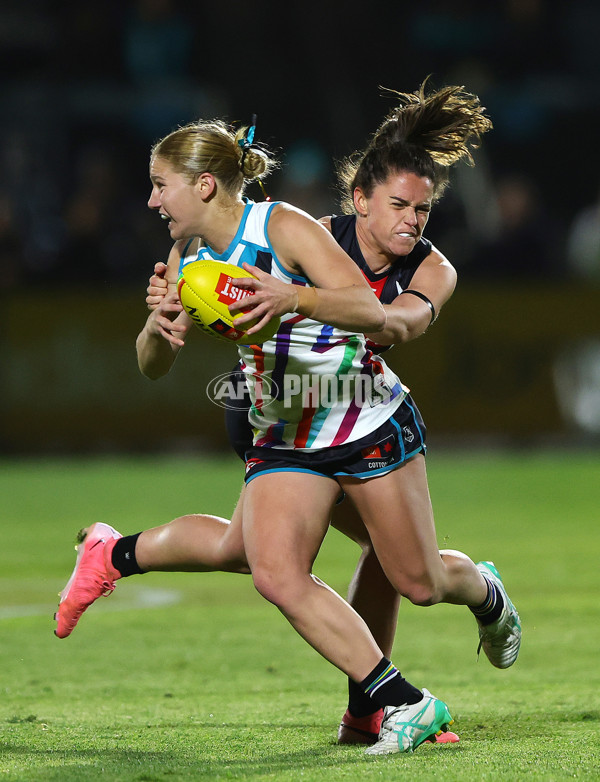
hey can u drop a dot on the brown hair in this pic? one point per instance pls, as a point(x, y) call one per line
point(424, 135)
point(213, 147)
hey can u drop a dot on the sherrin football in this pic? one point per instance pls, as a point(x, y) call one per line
point(205, 291)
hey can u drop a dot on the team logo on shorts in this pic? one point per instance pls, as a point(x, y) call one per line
point(377, 451)
point(380, 455)
point(408, 434)
point(253, 463)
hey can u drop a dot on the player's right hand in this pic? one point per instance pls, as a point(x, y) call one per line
point(157, 286)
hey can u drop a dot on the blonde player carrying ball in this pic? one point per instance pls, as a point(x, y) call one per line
point(306, 453)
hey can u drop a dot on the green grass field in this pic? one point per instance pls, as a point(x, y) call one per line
point(194, 676)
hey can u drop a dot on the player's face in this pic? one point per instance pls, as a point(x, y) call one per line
point(176, 200)
point(396, 212)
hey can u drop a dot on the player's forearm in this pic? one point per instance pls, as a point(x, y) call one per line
point(352, 309)
point(155, 355)
point(402, 325)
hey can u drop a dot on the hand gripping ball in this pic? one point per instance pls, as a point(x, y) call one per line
point(205, 291)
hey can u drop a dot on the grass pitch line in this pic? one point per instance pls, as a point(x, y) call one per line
point(145, 597)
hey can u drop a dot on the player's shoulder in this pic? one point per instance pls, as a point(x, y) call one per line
point(437, 271)
point(434, 251)
point(285, 211)
point(326, 221)
point(435, 257)
point(288, 219)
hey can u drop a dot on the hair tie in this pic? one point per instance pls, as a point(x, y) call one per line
point(248, 141)
point(246, 144)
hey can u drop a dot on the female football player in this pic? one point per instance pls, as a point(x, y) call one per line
point(306, 452)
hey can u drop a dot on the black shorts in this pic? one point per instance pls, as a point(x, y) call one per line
point(387, 448)
point(404, 432)
point(238, 427)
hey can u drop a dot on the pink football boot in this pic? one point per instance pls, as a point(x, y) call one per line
point(93, 576)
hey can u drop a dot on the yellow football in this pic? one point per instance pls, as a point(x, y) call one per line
point(205, 291)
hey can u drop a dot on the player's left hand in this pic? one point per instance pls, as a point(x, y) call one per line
point(268, 298)
point(157, 286)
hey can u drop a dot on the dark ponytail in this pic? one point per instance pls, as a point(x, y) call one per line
point(424, 135)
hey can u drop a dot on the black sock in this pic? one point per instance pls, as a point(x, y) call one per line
point(492, 606)
point(386, 686)
point(359, 703)
point(123, 556)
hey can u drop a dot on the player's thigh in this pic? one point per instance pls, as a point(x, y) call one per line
point(346, 519)
point(396, 509)
point(286, 516)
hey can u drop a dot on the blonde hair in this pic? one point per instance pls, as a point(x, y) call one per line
point(424, 135)
point(213, 147)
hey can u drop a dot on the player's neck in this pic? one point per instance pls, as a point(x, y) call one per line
point(376, 259)
point(223, 226)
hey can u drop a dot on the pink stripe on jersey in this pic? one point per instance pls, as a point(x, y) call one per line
point(347, 425)
point(353, 411)
point(313, 419)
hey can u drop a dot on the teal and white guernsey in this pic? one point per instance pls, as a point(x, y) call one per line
point(312, 385)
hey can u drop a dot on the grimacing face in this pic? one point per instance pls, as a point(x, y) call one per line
point(394, 216)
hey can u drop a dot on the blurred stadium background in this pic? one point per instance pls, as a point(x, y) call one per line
point(88, 87)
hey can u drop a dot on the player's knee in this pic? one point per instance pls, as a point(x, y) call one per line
point(422, 596)
point(235, 566)
point(421, 592)
point(269, 583)
point(231, 557)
